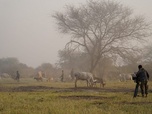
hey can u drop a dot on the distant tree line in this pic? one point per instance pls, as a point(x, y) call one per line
point(10, 65)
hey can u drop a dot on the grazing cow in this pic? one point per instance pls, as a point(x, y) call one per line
point(98, 80)
point(83, 76)
point(39, 74)
point(38, 78)
point(125, 77)
point(49, 79)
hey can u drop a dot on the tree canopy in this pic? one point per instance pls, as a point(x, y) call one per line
point(102, 28)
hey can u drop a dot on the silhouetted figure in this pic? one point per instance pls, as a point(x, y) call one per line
point(72, 74)
point(62, 76)
point(142, 78)
point(17, 76)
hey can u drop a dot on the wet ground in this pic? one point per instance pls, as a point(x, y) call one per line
point(46, 88)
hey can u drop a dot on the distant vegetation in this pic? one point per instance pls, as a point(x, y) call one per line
point(11, 65)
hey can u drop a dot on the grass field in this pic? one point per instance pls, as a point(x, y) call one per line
point(31, 97)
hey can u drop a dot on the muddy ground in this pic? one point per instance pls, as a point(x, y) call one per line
point(46, 88)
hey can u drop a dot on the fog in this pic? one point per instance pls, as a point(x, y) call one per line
point(29, 33)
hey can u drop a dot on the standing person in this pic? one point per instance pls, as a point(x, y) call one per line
point(136, 88)
point(72, 73)
point(142, 80)
point(62, 76)
point(17, 76)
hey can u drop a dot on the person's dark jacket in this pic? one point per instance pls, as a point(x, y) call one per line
point(142, 75)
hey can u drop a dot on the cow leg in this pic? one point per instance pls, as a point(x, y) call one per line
point(90, 84)
point(95, 84)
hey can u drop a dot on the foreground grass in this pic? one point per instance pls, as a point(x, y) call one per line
point(62, 100)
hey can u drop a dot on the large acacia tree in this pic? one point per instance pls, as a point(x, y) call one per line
point(102, 28)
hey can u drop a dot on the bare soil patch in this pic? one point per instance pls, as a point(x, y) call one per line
point(134, 103)
point(86, 97)
point(46, 88)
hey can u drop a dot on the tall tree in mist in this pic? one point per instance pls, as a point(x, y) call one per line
point(102, 28)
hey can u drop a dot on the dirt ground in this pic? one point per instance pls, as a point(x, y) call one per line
point(46, 88)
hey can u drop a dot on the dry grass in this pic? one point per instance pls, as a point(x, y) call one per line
point(31, 97)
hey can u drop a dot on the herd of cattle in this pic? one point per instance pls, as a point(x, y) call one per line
point(86, 76)
point(89, 78)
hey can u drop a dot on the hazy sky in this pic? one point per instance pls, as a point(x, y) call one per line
point(29, 33)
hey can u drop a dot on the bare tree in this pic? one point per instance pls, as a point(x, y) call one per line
point(102, 28)
point(147, 54)
point(147, 58)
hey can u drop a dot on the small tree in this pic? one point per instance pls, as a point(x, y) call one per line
point(102, 28)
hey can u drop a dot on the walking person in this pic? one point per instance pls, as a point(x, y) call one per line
point(17, 76)
point(136, 88)
point(142, 78)
point(62, 76)
point(72, 74)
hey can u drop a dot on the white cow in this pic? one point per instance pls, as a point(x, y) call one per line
point(87, 76)
point(40, 76)
point(100, 81)
point(125, 77)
